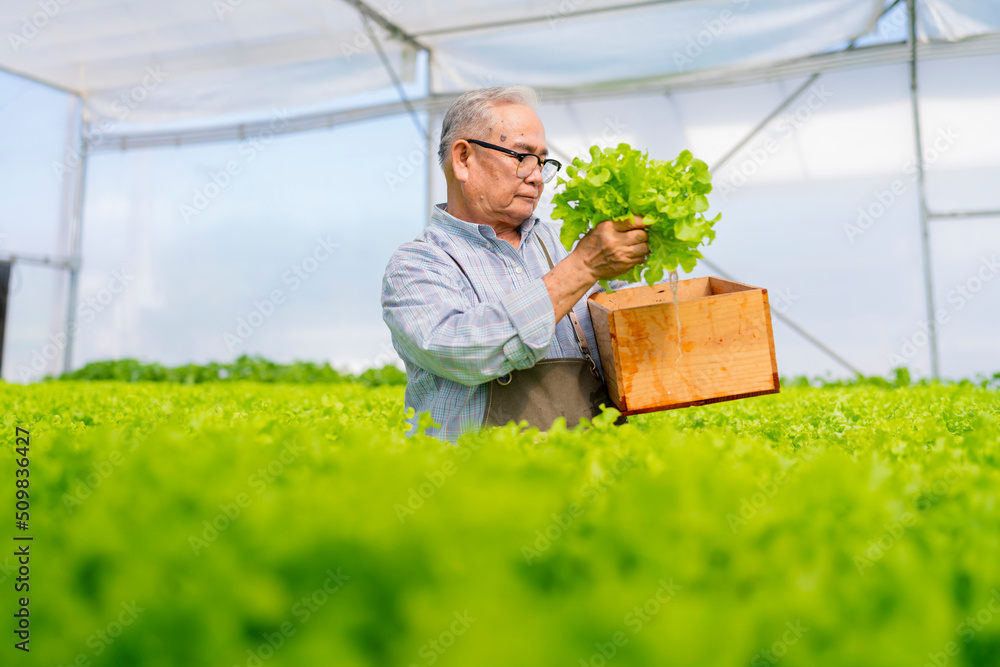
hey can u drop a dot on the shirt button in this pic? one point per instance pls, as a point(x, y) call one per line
point(517, 270)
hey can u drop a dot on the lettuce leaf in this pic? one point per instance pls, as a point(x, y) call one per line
point(618, 183)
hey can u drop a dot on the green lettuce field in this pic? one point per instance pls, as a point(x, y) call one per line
point(188, 521)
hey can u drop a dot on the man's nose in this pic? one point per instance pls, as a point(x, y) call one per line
point(535, 176)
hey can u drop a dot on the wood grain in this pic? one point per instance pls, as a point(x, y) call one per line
point(725, 352)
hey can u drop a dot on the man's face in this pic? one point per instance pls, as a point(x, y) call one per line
point(492, 187)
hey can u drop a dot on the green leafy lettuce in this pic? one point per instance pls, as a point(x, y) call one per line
point(231, 516)
point(621, 182)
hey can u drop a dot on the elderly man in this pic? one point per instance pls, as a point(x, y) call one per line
point(486, 308)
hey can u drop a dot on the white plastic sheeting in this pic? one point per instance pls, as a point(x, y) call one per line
point(652, 40)
point(151, 61)
point(155, 61)
point(953, 20)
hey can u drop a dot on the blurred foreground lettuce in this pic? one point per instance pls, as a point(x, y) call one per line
point(278, 524)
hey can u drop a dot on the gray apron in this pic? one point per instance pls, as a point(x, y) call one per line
point(567, 387)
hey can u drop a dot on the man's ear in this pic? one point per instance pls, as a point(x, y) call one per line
point(461, 152)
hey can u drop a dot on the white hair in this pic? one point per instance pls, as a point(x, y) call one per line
point(472, 113)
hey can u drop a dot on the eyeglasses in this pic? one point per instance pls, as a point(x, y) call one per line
point(526, 162)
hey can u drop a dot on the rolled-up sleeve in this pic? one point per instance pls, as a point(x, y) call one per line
point(427, 305)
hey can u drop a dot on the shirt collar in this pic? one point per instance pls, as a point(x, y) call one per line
point(452, 225)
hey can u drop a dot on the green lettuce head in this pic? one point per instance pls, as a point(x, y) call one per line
point(618, 183)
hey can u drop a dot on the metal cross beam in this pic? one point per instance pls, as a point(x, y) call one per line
point(40, 260)
point(795, 327)
point(392, 75)
point(386, 24)
point(965, 214)
point(781, 107)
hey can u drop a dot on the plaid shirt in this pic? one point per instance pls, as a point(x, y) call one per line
point(456, 331)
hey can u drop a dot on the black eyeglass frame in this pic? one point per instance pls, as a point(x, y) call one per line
point(520, 158)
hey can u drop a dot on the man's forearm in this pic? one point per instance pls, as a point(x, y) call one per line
point(567, 283)
point(608, 250)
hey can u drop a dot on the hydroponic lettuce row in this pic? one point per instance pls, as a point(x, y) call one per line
point(246, 367)
point(622, 182)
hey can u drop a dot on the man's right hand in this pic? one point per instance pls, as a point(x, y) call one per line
point(607, 251)
point(613, 247)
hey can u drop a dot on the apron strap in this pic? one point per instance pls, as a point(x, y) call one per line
point(581, 337)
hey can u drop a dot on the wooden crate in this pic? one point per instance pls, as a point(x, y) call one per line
point(726, 346)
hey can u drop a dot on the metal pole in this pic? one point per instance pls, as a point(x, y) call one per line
point(762, 124)
point(40, 260)
point(75, 249)
point(431, 164)
point(4, 291)
point(922, 193)
point(431, 153)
